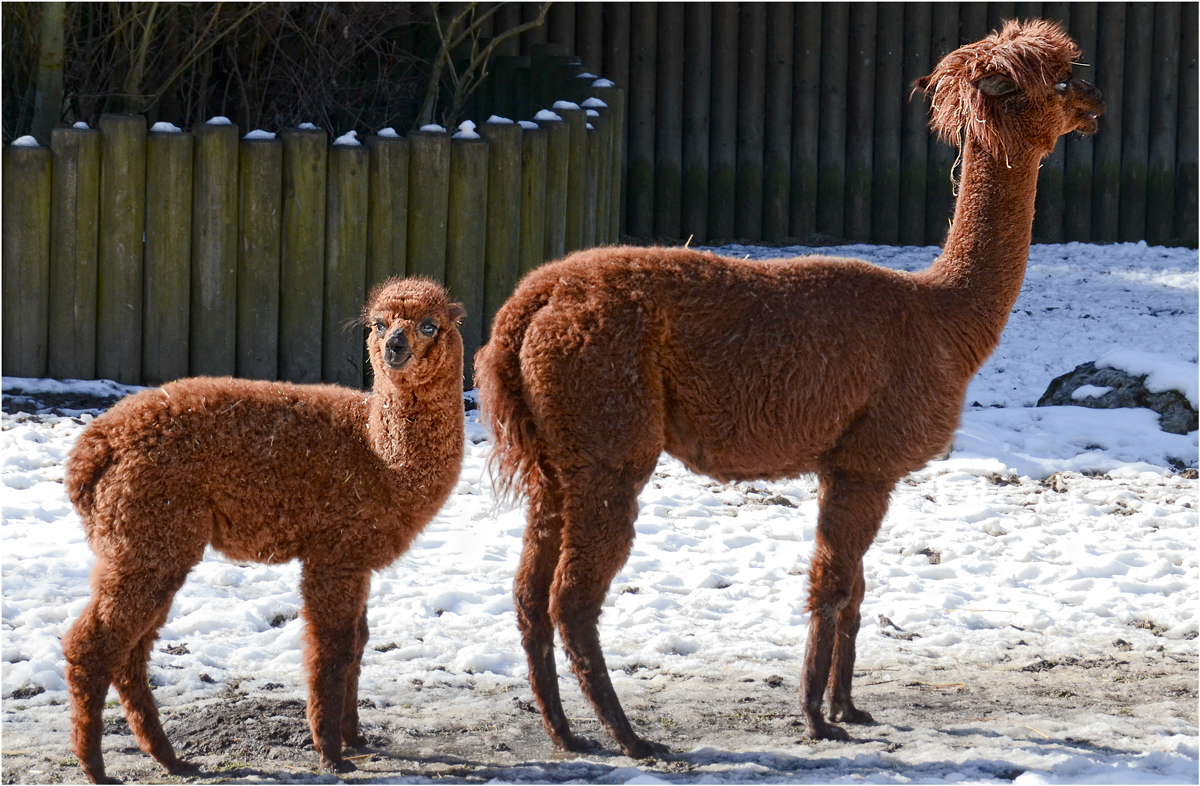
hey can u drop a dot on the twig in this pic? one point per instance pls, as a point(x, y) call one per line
point(1047, 736)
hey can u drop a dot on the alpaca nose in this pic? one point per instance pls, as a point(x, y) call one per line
point(396, 352)
point(397, 342)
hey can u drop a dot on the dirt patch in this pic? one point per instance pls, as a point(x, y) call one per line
point(1093, 708)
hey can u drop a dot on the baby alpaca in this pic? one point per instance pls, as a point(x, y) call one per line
point(749, 369)
point(268, 472)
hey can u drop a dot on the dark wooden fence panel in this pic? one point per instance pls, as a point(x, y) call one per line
point(752, 80)
point(302, 254)
point(806, 120)
point(668, 131)
point(26, 227)
point(1135, 121)
point(260, 198)
point(1164, 103)
point(1080, 149)
point(167, 284)
point(697, 91)
point(74, 223)
point(722, 150)
point(1187, 211)
point(213, 339)
point(777, 131)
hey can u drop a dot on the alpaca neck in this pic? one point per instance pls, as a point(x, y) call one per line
point(414, 429)
point(988, 244)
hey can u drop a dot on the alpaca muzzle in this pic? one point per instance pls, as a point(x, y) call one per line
point(396, 352)
point(1090, 104)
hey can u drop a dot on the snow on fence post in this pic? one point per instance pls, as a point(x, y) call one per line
point(119, 267)
point(260, 185)
point(302, 254)
point(534, 141)
point(558, 165)
point(502, 255)
point(74, 227)
point(26, 266)
point(466, 236)
point(214, 249)
point(167, 281)
point(387, 208)
point(428, 200)
point(576, 118)
point(345, 263)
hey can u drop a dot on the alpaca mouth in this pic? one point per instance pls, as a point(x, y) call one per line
point(396, 360)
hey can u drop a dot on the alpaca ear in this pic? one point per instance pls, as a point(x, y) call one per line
point(457, 313)
point(996, 85)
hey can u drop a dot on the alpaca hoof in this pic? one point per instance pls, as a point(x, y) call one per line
point(826, 731)
point(354, 741)
point(851, 715)
point(574, 744)
point(341, 765)
point(645, 749)
point(181, 767)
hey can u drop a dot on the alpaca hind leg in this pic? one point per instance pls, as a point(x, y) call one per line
point(335, 599)
point(531, 592)
point(851, 510)
point(596, 542)
point(350, 735)
point(109, 643)
point(841, 674)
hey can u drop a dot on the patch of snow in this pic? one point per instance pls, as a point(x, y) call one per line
point(604, 83)
point(1162, 372)
point(565, 105)
point(219, 120)
point(545, 115)
point(25, 141)
point(82, 126)
point(433, 128)
point(1089, 391)
point(466, 130)
point(163, 127)
point(593, 103)
point(308, 127)
point(349, 139)
point(389, 133)
point(498, 119)
point(528, 124)
point(258, 133)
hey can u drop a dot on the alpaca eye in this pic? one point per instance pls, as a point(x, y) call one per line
point(428, 328)
point(380, 327)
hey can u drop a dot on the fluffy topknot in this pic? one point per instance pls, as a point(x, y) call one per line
point(1033, 54)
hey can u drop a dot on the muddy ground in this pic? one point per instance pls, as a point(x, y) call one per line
point(734, 727)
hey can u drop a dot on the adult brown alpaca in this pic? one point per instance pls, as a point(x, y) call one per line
point(265, 472)
point(763, 369)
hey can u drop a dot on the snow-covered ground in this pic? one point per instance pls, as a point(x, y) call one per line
point(1050, 535)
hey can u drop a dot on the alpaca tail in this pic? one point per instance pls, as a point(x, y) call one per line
point(503, 403)
point(89, 460)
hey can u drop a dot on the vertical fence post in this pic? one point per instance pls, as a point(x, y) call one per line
point(591, 190)
point(1135, 131)
point(387, 213)
point(214, 251)
point(558, 165)
point(777, 140)
point(345, 265)
point(534, 141)
point(302, 252)
point(1164, 101)
point(26, 271)
point(806, 117)
point(831, 170)
point(576, 119)
point(260, 216)
point(697, 91)
point(643, 46)
point(860, 120)
point(1186, 210)
point(1106, 169)
point(119, 266)
point(614, 98)
point(605, 144)
point(428, 201)
point(502, 253)
point(1079, 148)
point(914, 137)
point(752, 42)
point(167, 292)
point(1048, 212)
point(74, 224)
point(668, 126)
point(889, 112)
point(722, 151)
point(468, 202)
point(939, 196)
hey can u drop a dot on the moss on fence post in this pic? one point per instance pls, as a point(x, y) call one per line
point(302, 254)
point(465, 246)
point(387, 213)
point(558, 167)
point(345, 265)
point(119, 261)
point(168, 263)
point(428, 201)
point(534, 141)
point(214, 250)
point(26, 267)
point(260, 177)
point(74, 227)
point(503, 251)
point(576, 118)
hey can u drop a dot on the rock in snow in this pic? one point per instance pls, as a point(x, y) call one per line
point(1112, 388)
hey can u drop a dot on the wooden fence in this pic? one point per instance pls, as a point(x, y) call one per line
point(762, 121)
point(146, 256)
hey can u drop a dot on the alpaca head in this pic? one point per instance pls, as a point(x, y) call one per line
point(1013, 91)
point(414, 334)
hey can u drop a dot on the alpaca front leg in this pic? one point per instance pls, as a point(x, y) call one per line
point(350, 735)
point(841, 674)
point(851, 510)
point(334, 602)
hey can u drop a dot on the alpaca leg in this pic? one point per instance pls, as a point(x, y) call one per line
point(851, 510)
point(350, 735)
point(531, 592)
point(109, 643)
point(335, 600)
point(596, 542)
point(841, 674)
